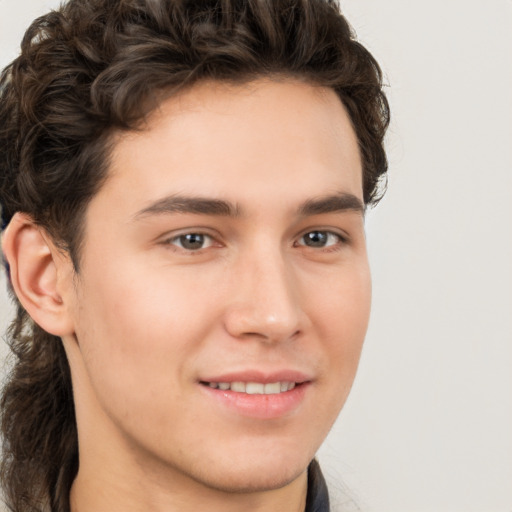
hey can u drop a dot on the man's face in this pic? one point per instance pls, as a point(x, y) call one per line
point(226, 251)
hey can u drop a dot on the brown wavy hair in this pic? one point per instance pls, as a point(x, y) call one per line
point(94, 67)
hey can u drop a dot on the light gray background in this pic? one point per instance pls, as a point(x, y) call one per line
point(428, 427)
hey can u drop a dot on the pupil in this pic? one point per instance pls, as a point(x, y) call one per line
point(316, 239)
point(192, 241)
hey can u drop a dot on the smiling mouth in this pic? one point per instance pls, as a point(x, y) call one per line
point(254, 388)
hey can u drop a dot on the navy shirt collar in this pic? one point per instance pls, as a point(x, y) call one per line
point(317, 498)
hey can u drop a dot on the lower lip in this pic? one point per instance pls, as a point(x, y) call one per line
point(260, 406)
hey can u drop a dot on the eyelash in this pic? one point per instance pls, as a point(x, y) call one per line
point(179, 239)
point(334, 241)
point(335, 244)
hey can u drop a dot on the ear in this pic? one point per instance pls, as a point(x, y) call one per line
point(39, 274)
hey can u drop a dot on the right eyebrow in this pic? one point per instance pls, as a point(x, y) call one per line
point(341, 202)
point(187, 204)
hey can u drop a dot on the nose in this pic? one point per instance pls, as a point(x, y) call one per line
point(265, 301)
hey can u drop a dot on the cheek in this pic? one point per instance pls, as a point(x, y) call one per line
point(342, 314)
point(137, 329)
point(342, 307)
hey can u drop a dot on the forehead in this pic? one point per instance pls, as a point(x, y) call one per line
point(266, 139)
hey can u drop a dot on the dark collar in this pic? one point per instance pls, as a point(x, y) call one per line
point(318, 497)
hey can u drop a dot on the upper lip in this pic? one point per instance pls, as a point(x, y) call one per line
point(286, 375)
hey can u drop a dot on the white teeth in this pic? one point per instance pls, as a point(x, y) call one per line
point(272, 389)
point(239, 387)
point(254, 388)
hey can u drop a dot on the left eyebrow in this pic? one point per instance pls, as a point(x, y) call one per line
point(332, 204)
point(185, 204)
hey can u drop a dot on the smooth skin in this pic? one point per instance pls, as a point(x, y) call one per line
point(228, 237)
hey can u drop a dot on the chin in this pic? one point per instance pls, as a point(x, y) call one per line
point(253, 474)
point(254, 481)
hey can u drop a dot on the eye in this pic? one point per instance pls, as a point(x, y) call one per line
point(320, 239)
point(192, 241)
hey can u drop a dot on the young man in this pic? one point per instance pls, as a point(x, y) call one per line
point(183, 187)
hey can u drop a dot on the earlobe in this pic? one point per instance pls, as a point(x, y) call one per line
point(37, 270)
